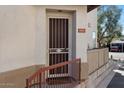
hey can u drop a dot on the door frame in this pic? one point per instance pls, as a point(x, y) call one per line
point(60, 15)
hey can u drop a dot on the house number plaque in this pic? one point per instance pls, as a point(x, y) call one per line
point(81, 30)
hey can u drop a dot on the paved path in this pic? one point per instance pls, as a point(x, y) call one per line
point(104, 83)
point(118, 79)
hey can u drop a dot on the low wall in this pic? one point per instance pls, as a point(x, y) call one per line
point(98, 76)
point(94, 79)
point(97, 67)
point(97, 58)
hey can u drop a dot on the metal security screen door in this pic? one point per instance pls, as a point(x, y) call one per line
point(58, 43)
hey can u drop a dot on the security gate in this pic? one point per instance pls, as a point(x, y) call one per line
point(59, 43)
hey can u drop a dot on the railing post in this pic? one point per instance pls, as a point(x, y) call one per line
point(27, 83)
point(79, 70)
point(40, 80)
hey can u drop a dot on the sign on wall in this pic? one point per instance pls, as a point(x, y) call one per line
point(81, 30)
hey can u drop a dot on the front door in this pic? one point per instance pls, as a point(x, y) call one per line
point(59, 42)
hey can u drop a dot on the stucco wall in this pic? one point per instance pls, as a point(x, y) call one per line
point(17, 37)
point(97, 58)
point(81, 38)
point(24, 35)
point(92, 27)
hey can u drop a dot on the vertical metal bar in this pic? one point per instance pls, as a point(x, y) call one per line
point(68, 40)
point(55, 39)
point(62, 42)
point(52, 41)
point(37, 80)
point(34, 82)
point(53, 32)
point(50, 38)
point(54, 79)
point(51, 79)
point(79, 70)
point(55, 54)
point(47, 77)
point(61, 46)
point(58, 33)
point(40, 80)
point(65, 48)
point(65, 43)
point(27, 83)
point(44, 79)
point(56, 46)
point(61, 34)
point(58, 26)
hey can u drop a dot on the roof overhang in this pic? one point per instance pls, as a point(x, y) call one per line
point(91, 7)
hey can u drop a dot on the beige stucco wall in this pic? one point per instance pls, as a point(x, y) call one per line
point(81, 22)
point(92, 27)
point(97, 58)
point(23, 34)
point(17, 37)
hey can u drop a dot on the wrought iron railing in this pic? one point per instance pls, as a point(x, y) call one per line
point(65, 74)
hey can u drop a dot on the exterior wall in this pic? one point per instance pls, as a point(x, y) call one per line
point(23, 35)
point(92, 28)
point(81, 22)
point(17, 37)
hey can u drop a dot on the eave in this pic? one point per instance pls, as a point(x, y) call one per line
point(91, 7)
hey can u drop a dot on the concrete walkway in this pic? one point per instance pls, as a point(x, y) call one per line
point(106, 80)
point(118, 79)
point(115, 79)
